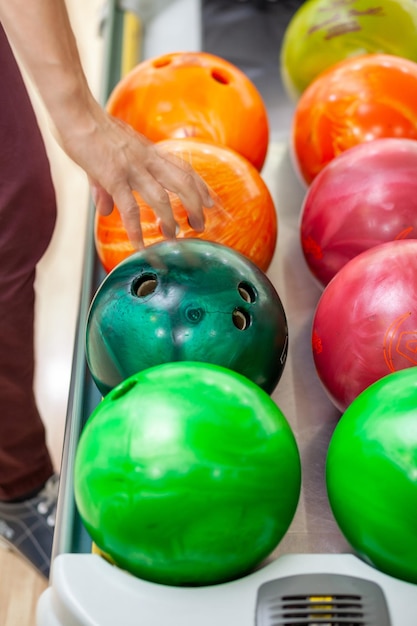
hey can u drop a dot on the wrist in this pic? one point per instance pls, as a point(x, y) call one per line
point(75, 117)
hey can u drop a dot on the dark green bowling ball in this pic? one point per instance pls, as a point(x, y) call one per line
point(186, 300)
point(187, 474)
point(371, 474)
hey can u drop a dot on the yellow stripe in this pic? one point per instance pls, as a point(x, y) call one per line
point(96, 550)
point(132, 42)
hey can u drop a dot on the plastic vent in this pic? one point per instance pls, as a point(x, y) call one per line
point(321, 600)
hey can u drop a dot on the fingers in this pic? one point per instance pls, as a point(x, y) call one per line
point(184, 185)
point(130, 163)
point(205, 193)
point(130, 213)
point(102, 200)
point(178, 176)
point(156, 197)
point(152, 193)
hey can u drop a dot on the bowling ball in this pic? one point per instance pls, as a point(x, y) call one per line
point(365, 323)
point(194, 94)
point(364, 197)
point(371, 474)
point(323, 32)
point(243, 218)
point(187, 474)
point(186, 300)
point(357, 100)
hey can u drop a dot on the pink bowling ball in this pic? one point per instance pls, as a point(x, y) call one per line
point(364, 197)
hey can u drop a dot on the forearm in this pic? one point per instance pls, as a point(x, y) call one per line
point(117, 160)
point(41, 34)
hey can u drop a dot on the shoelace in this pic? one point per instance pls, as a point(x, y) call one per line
point(48, 500)
point(5, 530)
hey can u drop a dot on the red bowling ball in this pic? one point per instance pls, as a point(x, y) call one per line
point(364, 197)
point(365, 323)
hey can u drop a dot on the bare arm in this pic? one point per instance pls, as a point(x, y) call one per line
point(116, 159)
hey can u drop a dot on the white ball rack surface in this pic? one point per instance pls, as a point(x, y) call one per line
point(87, 591)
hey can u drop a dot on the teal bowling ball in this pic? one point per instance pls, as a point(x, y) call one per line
point(187, 474)
point(186, 300)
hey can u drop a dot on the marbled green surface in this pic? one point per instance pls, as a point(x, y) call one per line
point(187, 474)
point(371, 474)
point(186, 300)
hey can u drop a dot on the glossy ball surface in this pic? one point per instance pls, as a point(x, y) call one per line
point(364, 197)
point(243, 218)
point(194, 94)
point(187, 474)
point(323, 32)
point(188, 300)
point(365, 323)
point(371, 472)
point(357, 100)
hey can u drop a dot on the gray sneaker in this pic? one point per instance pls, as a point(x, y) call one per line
point(27, 527)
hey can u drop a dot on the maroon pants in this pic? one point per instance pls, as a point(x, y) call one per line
point(27, 219)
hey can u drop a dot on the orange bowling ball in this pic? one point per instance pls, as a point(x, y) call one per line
point(194, 94)
point(243, 217)
point(359, 99)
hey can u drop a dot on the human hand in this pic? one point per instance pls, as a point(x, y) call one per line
point(118, 161)
point(116, 158)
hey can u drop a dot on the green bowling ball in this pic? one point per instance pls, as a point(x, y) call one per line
point(187, 474)
point(323, 32)
point(186, 300)
point(371, 474)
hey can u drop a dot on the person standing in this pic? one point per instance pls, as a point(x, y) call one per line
point(117, 160)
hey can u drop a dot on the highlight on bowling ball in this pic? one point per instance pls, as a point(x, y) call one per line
point(364, 197)
point(357, 100)
point(194, 94)
point(365, 323)
point(371, 474)
point(186, 300)
point(244, 216)
point(187, 474)
point(323, 32)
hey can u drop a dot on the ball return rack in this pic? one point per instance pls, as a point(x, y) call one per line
point(312, 577)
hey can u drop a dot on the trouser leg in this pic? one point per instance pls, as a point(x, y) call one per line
point(27, 219)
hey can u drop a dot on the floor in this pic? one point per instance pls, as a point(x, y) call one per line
point(58, 285)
